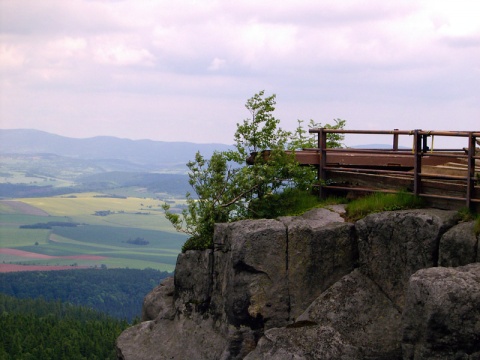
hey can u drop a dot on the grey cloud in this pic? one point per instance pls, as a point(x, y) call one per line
point(49, 17)
point(463, 41)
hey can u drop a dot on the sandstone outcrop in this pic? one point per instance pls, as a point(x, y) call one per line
point(395, 244)
point(354, 313)
point(459, 246)
point(441, 319)
point(316, 287)
point(159, 302)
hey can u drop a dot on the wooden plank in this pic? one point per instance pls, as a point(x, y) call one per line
point(452, 188)
point(444, 170)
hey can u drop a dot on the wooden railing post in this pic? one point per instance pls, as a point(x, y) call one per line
point(424, 143)
point(471, 170)
point(395, 140)
point(322, 145)
point(417, 162)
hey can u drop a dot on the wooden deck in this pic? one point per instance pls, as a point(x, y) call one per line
point(445, 178)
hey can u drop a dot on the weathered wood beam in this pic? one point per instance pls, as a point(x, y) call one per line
point(394, 159)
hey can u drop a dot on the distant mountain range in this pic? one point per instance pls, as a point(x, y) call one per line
point(105, 151)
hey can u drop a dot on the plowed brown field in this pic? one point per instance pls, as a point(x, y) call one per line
point(24, 208)
point(31, 255)
point(4, 268)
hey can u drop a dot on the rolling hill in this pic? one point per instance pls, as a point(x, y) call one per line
point(109, 153)
point(37, 163)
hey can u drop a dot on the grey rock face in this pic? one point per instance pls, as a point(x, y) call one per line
point(250, 279)
point(318, 256)
point(305, 343)
point(352, 319)
point(361, 313)
point(459, 246)
point(159, 302)
point(193, 281)
point(181, 327)
point(442, 314)
point(394, 245)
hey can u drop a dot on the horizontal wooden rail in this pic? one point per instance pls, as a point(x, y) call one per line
point(399, 132)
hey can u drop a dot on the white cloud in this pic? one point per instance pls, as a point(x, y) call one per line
point(459, 18)
point(217, 64)
point(109, 53)
point(69, 46)
point(11, 56)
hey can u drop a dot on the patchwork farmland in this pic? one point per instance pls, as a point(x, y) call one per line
point(87, 230)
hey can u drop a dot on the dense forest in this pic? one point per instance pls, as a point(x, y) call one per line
point(116, 292)
point(35, 329)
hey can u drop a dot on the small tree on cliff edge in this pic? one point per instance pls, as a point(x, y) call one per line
point(226, 188)
point(261, 139)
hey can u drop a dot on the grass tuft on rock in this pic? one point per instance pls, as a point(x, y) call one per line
point(291, 202)
point(476, 227)
point(466, 214)
point(379, 202)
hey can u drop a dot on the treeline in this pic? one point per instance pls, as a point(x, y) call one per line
point(153, 182)
point(49, 225)
point(35, 329)
point(116, 292)
point(8, 190)
point(138, 241)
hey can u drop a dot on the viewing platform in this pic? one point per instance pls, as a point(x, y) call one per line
point(446, 178)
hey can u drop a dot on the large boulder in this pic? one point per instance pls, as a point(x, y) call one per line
point(159, 302)
point(304, 343)
point(441, 319)
point(184, 338)
point(459, 246)
point(353, 319)
point(395, 244)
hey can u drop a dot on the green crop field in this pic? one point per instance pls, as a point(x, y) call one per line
point(105, 235)
point(15, 237)
point(130, 212)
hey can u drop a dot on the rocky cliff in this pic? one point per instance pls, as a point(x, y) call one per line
point(394, 285)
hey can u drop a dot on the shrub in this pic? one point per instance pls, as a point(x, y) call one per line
point(198, 243)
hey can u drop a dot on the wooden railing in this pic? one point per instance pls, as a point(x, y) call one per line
point(395, 169)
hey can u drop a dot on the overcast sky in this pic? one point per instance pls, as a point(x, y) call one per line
point(183, 70)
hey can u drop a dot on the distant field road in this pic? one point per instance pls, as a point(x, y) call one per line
point(5, 268)
point(24, 208)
